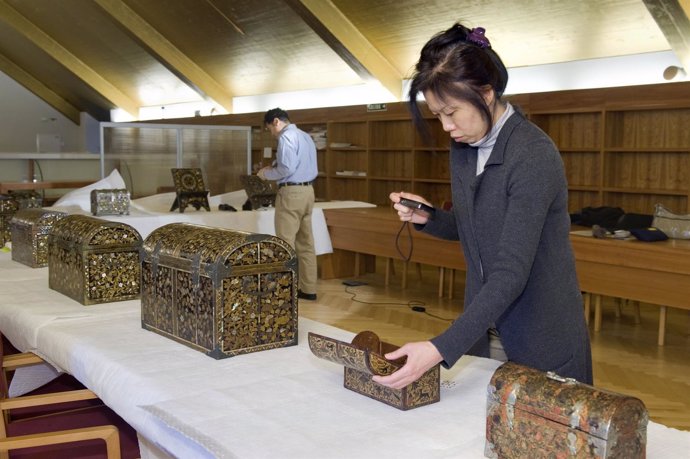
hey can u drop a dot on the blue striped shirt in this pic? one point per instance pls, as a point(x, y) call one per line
point(295, 158)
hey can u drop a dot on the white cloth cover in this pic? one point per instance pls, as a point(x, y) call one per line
point(147, 214)
point(81, 197)
point(280, 403)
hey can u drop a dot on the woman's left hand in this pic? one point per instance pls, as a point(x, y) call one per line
point(405, 213)
point(420, 357)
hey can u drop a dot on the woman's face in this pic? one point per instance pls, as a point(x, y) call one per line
point(460, 119)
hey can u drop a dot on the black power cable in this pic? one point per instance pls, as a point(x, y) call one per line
point(414, 305)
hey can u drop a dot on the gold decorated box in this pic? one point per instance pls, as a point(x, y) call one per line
point(30, 228)
point(8, 206)
point(110, 202)
point(27, 199)
point(94, 261)
point(364, 358)
point(535, 414)
point(219, 291)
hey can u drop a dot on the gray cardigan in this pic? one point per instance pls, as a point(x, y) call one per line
point(512, 222)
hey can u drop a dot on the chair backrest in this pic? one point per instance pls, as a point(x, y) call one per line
point(36, 430)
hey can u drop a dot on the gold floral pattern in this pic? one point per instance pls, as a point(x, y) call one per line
point(362, 360)
point(8, 206)
point(110, 202)
point(30, 228)
point(94, 261)
point(227, 292)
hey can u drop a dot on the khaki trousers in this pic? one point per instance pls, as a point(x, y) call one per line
point(294, 205)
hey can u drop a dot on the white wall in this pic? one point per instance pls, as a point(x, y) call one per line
point(611, 72)
point(23, 116)
point(633, 70)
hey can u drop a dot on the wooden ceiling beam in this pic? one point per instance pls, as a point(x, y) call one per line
point(31, 83)
point(167, 53)
point(672, 18)
point(56, 51)
point(329, 23)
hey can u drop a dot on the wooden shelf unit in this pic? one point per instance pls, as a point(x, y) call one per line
point(385, 155)
point(632, 157)
point(627, 147)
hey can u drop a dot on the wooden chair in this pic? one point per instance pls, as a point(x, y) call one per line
point(69, 416)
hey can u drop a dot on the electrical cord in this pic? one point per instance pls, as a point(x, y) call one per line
point(409, 237)
point(40, 176)
point(414, 305)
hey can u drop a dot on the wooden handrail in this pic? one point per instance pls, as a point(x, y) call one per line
point(43, 185)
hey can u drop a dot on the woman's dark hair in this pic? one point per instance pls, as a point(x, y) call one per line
point(457, 63)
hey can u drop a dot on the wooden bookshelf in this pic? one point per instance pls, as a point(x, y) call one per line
point(627, 147)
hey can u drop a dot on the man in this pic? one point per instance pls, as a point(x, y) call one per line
point(294, 169)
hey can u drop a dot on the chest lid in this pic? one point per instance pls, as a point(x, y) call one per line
point(216, 246)
point(567, 402)
point(86, 231)
point(365, 353)
point(40, 219)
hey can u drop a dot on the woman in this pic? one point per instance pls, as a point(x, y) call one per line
point(510, 214)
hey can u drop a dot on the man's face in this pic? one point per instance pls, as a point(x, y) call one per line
point(272, 127)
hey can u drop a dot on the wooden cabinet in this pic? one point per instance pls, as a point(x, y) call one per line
point(578, 136)
point(368, 159)
point(391, 158)
point(647, 159)
point(346, 160)
point(628, 158)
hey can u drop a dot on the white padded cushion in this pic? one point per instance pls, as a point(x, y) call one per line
point(81, 197)
point(163, 201)
point(155, 203)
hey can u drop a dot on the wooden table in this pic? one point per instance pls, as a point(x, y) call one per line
point(374, 231)
point(652, 272)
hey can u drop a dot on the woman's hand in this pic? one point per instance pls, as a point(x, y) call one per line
point(420, 357)
point(405, 213)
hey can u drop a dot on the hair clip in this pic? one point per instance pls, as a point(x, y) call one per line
point(477, 37)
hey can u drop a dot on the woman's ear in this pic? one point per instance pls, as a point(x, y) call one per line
point(489, 95)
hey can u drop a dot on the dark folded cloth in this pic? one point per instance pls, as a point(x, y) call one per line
point(649, 234)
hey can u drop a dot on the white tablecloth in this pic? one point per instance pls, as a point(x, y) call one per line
point(147, 214)
point(279, 403)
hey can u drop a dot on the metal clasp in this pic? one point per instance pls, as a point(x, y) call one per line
point(555, 377)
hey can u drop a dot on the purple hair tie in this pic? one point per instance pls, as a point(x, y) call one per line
point(477, 37)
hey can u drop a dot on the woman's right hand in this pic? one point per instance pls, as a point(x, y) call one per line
point(405, 213)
